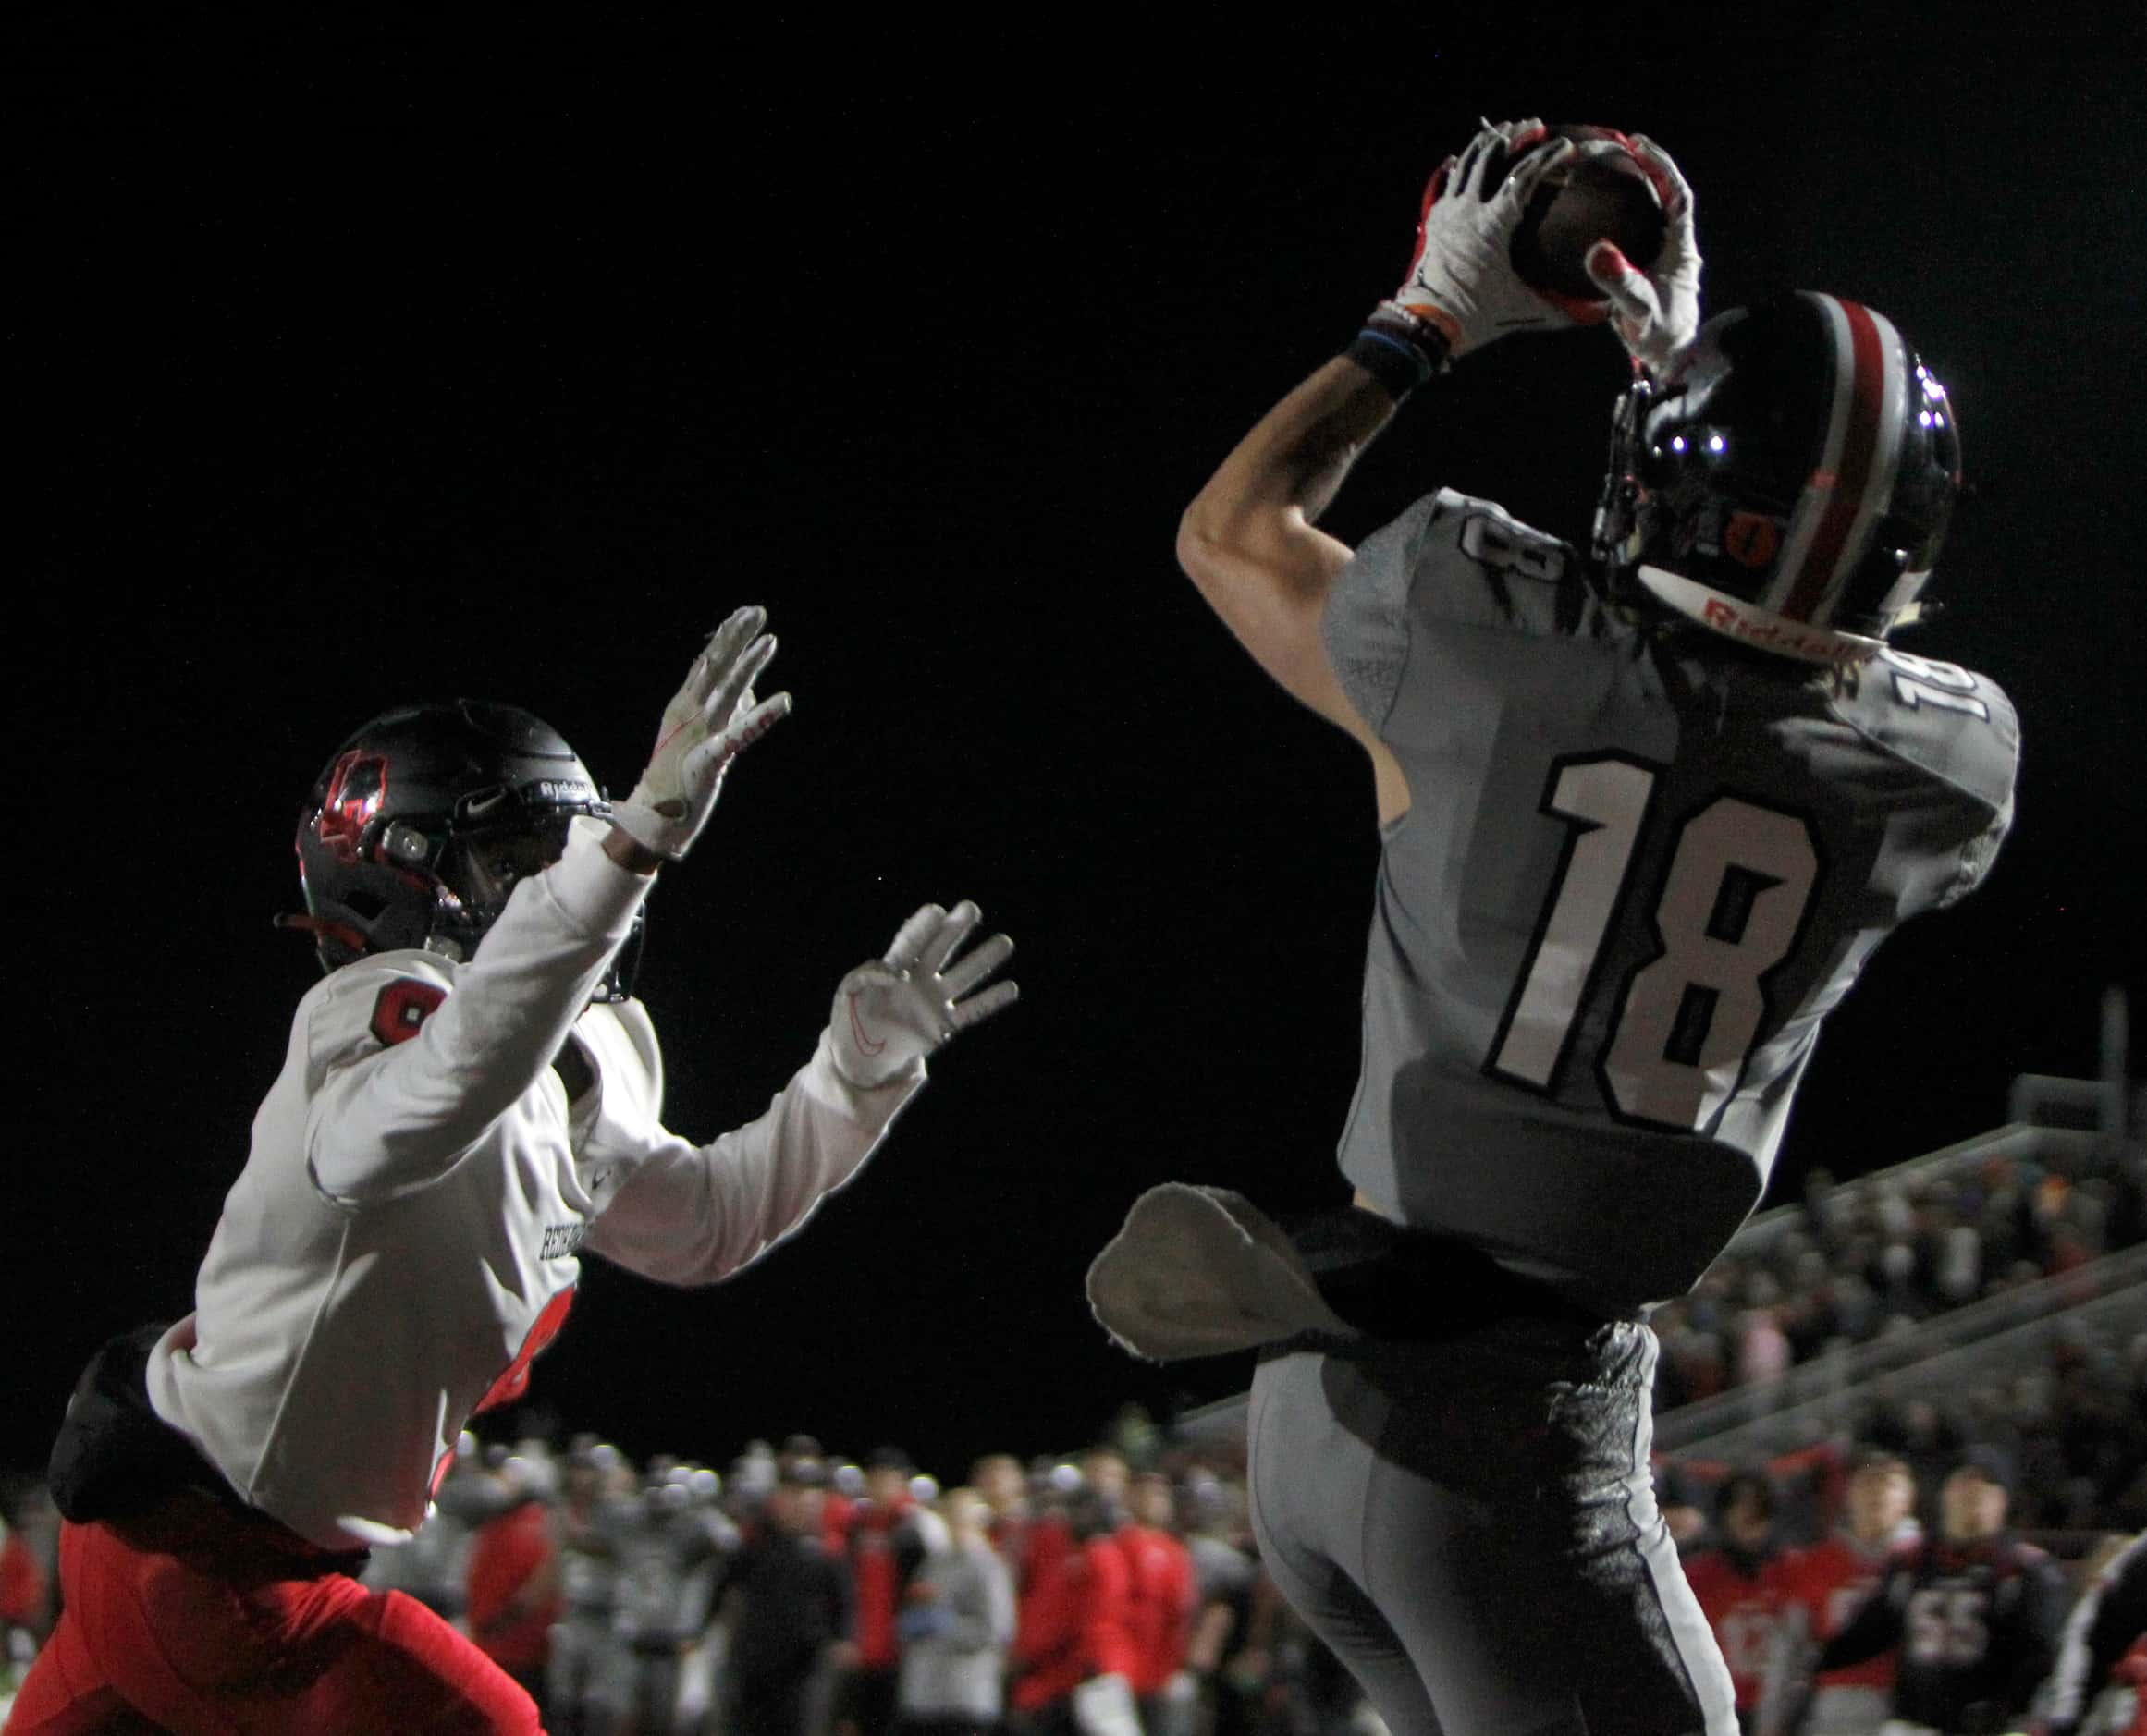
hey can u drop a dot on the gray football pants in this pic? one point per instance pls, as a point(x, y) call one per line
point(1471, 1523)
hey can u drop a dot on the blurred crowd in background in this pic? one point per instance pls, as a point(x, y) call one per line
point(1118, 1592)
point(1905, 1556)
point(1861, 1262)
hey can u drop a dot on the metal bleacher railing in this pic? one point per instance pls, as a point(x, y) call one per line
point(2058, 1147)
point(1945, 1354)
point(1979, 1341)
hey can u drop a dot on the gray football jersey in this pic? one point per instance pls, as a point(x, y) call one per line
point(1634, 874)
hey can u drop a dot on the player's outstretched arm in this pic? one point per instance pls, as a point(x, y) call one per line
point(1250, 542)
point(694, 1215)
point(1250, 539)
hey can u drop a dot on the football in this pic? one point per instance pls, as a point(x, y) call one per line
point(1604, 194)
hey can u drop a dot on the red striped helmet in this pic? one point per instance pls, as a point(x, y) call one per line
point(1788, 484)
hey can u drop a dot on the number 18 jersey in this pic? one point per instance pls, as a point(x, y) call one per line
point(1635, 872)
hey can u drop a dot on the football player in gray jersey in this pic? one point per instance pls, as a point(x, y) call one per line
point(1645, 810)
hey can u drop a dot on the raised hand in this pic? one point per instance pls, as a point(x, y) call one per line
point(892, 1012)
point(1462, 277)
point(709, 722)
point(1655, 312)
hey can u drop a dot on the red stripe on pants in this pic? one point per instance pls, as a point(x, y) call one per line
point(193, 1619)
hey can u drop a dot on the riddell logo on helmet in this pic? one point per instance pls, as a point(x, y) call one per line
point(1769, 633)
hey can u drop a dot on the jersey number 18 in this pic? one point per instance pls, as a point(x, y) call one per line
point(1726, 910)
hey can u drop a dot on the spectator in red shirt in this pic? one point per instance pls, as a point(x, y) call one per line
point(1074, 1645)
point(513, 1579)
point(1163, 1597)
point(1743, 1585)
point(889, 1536)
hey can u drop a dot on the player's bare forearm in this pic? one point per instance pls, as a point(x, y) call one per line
point(1268, 494)
point(1249, 542)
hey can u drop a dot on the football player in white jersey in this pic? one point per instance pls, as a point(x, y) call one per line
point(1644, 812)
point(468, 1099)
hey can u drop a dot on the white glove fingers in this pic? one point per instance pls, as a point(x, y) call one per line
point(1511, 140)
point(978, 1008)
point(738, 629)
point(707, 760)
point(704, 764)
point(743, 731)
point(1461, 184)
point(959, 921)
point(1631, 295)
point(966, 972)
point(911, 939)
point(1472, 179)
point(1671, 186)
point(1530, 172)
point(735, 680)
point(1461, 277)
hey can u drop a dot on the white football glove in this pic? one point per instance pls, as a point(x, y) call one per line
point(709, 722)
point(1462, 277)
point(1656, 313)
point(891, 1013)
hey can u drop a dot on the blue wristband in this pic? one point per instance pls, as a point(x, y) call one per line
point(1399, 349)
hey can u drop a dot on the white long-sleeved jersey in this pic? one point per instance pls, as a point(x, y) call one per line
point(403, 1237)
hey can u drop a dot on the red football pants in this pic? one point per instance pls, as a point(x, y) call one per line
point(190, 1620)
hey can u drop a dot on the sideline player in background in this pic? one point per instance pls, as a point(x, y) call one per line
point(469, 1098)
point(1976, 1613)
point(1644, 814)
point(1827, 1583)
point(2105, 1644)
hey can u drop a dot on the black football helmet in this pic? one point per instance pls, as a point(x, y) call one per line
point(418, 828)
point(1787, 485)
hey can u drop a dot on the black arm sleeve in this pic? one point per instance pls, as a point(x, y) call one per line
point(2120, 1620)
point(2037, 1630)
point(1875, 1627)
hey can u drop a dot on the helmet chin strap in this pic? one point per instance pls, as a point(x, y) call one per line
point(321, 929)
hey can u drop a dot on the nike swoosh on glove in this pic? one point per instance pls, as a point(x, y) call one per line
point(892, 1012)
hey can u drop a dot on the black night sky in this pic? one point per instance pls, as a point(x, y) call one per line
point(363, 367)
